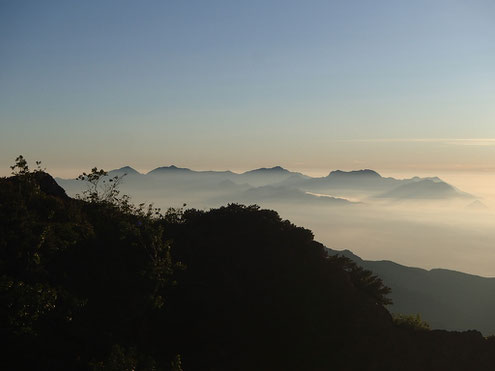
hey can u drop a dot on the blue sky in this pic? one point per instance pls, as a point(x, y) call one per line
point(390, 85)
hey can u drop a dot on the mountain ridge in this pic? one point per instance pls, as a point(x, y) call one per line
point(338, 183)
point(445, 298)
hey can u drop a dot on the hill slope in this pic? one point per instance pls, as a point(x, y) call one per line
point(445, 299)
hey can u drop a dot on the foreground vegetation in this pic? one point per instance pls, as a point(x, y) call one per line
point(96, 283)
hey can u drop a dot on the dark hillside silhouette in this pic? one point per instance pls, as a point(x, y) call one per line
point(107, 286)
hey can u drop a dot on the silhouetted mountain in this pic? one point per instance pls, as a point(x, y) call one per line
point(267, 176)
point(127, 170)
point(366, 173)
point(361, 179)
point(445, 299)
point(371, 183)
point(365, 181)
point(172, 169)
point(424, 189)
point(265, 170)
point(47, 185)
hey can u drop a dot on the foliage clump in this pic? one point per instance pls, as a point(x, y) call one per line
point(411, 321)
point(21, 167)
point(100, 187)
point(364, 279)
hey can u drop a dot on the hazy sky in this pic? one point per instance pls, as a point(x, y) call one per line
point(310, 85)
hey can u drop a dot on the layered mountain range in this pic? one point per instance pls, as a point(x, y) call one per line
point(279, 185)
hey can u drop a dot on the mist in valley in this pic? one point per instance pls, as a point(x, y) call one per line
point(415, 221)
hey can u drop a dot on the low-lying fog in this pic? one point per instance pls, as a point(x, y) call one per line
point(450, 238)
point(452, 231)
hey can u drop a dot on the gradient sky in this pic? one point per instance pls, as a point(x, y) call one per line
point(310, 85)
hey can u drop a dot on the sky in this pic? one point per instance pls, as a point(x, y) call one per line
point(396, 86)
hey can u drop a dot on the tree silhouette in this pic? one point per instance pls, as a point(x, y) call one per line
point(100, 187)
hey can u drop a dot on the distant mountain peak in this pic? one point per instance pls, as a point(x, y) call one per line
point(435, 179)
point(353, 173)
point(425, 188)
point(477, 205)
point(171, 168)
point(275, 169)
point(125, 170)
